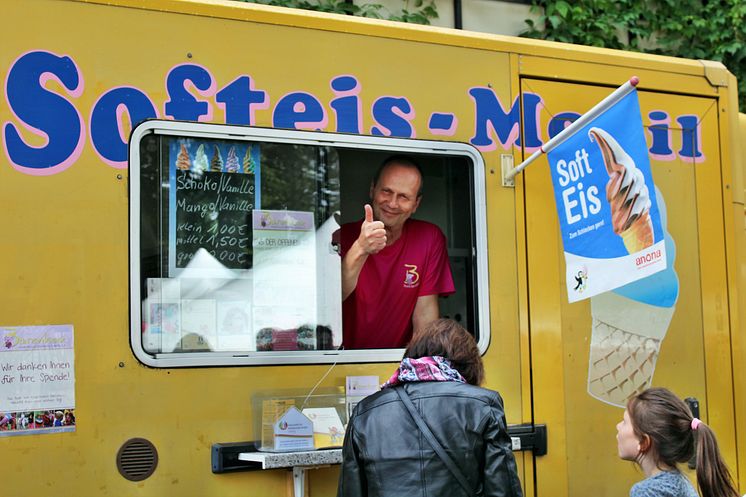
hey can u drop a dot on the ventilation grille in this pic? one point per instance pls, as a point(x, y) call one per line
point(137, 459)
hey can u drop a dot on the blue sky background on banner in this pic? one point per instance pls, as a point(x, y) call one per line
point(587, 233)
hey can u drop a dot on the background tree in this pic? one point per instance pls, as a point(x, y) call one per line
point(416, 11)
point(695, 29)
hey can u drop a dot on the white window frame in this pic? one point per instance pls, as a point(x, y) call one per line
point(248, 133)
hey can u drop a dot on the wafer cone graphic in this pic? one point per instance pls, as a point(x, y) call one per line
point(629, 325)
point(639, 235)
point(626, 193)
point(625, 342)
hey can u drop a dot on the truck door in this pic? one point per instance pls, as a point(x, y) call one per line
point(583, 363)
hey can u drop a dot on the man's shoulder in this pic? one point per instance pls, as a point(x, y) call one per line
point(425, 237)
point(420, 227)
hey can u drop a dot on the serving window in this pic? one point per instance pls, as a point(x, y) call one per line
point(234, 240)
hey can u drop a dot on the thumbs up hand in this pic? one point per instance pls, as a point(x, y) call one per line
point(372, 237)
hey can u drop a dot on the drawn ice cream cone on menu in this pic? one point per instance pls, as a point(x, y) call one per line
point(231, 163)
point(182, 160)
point(200, 163)
point(216, 164)
point(248, 162)
point(629, 325)
point(627, 194)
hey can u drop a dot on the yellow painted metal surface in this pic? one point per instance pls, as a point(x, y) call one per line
point(65, 243)
point(695, 355)
point(739, 329)
point(77, 265)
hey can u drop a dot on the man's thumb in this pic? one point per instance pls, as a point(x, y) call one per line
point(368, 213)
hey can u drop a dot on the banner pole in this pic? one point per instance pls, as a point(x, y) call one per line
point(566, 133)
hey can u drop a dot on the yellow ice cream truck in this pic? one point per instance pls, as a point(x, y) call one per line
point(174, 172)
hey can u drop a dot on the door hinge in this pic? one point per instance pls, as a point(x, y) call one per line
point(529, 437)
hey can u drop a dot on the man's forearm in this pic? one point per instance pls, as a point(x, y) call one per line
point(352, 265)
point(426, 310)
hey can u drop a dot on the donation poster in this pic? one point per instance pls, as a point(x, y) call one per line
point(37, 380)
point(606, 202)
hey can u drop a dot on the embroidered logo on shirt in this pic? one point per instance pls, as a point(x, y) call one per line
point(412, 277)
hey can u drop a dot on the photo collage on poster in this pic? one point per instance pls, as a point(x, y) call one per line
point(37, 422)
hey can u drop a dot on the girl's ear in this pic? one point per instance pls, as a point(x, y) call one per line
point(644, 444)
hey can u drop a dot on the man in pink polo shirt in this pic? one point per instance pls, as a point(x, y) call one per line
point(393, 267)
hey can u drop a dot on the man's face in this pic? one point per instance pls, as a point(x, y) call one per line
point(394, 198)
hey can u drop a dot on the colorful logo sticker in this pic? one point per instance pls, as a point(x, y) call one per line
point(412, 277)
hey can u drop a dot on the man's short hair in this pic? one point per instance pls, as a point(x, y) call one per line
point(404, 160)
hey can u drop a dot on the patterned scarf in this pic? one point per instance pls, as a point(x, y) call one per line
point(431, 368)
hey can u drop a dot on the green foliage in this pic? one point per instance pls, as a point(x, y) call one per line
point(587, 22)
point(695, 29)
point(420, 12)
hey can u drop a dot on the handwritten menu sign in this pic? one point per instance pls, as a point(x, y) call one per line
point(214, 189)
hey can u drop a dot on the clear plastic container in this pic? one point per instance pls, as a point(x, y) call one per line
point(325, 408)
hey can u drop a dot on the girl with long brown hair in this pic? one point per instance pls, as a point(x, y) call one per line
point(658, 432)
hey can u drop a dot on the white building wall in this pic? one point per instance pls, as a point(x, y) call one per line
point(486, 16)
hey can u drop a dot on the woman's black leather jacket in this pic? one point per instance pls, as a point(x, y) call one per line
point(386, 455)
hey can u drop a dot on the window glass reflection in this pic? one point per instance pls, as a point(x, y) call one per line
point(236, 250)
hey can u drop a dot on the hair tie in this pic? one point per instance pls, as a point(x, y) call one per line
point(695, 423)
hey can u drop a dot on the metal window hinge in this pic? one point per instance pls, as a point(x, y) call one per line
point(506, 165)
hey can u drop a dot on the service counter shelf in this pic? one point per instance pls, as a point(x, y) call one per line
point(244, 456)
point(300, 462)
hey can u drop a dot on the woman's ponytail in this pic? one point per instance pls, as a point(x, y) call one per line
point(713, 477)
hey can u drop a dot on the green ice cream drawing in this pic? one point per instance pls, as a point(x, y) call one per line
point(248, 162)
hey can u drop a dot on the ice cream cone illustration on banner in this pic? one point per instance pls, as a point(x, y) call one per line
point(629, 325)
point(627, 194)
